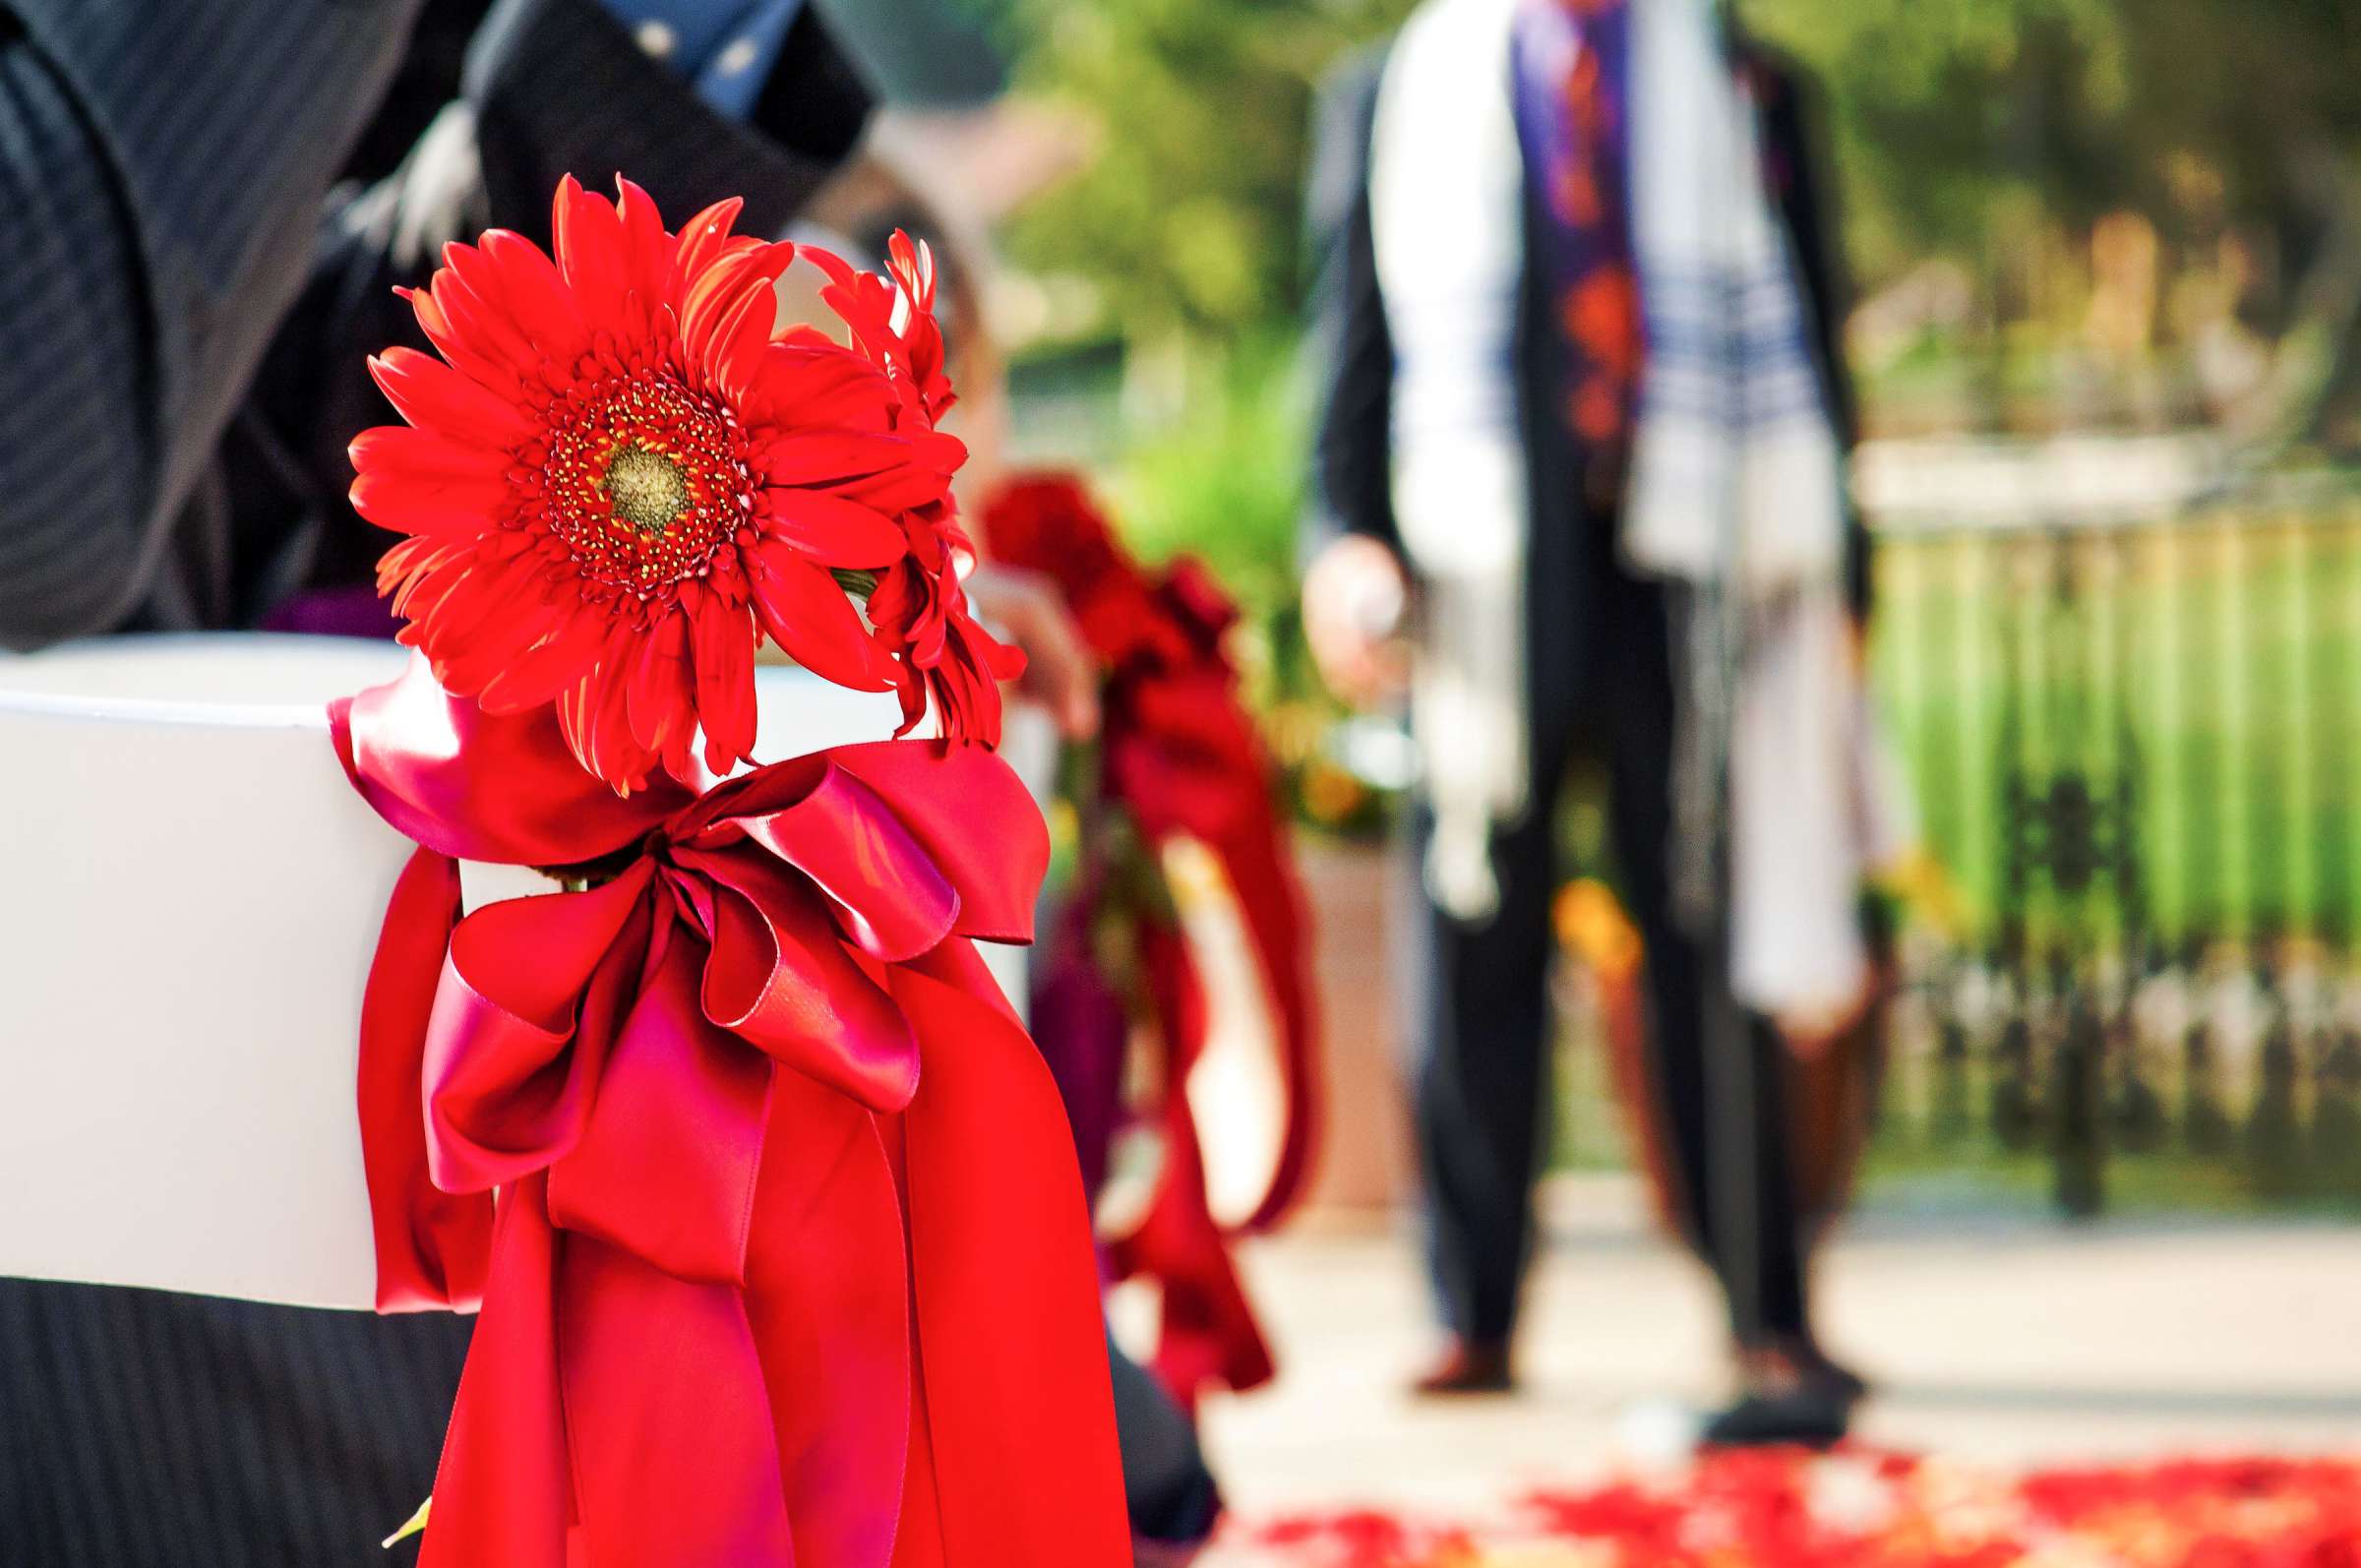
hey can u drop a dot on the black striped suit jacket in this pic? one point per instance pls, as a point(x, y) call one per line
point(187, 291)
point(186, 294)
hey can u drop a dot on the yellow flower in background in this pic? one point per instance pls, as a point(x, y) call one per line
point(1926, 889)
point(1330, 793)
point(1590, 924)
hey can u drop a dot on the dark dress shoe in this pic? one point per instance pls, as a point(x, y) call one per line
point(1466, 1368)
point(1788, 1361)
point(1805, 1415)
point(1818, 1369)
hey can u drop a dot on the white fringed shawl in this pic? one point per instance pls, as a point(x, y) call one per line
point(1736, 474)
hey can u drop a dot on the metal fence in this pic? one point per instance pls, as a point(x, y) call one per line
point(2134, 741)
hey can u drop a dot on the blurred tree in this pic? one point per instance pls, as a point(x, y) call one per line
point(1946, 111)
point(1221, 480)
point(2265, 93)
point(1965, 124)
point(1186, 221)
point(1992, 133)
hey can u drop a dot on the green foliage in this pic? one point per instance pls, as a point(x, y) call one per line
point(1187, 221)
point(1224, 480)
point(1943, 110)
point(1958, 125)
point(1950, 113)
point(2252, 85)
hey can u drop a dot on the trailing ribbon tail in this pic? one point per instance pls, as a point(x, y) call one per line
point(433, 1248)
point(1003, 1304)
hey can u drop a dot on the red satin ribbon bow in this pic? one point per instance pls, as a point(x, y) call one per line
point(789, 1262)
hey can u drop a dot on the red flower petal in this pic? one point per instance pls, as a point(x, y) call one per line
point(700, 242)
point(408, 450)
point(420, 572)
point(725, 682)
point(434, 396)
point(734, 351)
point(833, 532)
point(482, 319)
point(815, 458)
point(709, 297)
point(414, 557)
point(547, 669)
point(869, 312)
point(504, 639)
point(596, 723)
point(660, 695)
point(646, 250)
point(801, 384)
point(427, 503)
point(807, 614)
point(486, 623)
point(589, 244)
point(488, 370)
point(535, 292)
point(906, 488)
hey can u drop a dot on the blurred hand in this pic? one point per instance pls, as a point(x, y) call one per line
point(1810, 1038)
point(1355, 600)
point(1061, 672)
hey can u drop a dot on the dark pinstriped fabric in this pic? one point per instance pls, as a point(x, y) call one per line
point(141, 269)
point(139, 301)
point(145, 1429)
point(164, 168)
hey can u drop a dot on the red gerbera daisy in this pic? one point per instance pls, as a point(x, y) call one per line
point(918, 607)
point(621, 475)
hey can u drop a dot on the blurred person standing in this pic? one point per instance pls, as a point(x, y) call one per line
point(204, 207)
point(1581, 479)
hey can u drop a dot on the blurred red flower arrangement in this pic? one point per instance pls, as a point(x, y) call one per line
point(623, 474)
point(1179, 762)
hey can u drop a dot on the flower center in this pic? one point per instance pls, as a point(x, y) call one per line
point(643, 481)
point(647, 489)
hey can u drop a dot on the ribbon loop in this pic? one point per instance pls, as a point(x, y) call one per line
point(884, 890)
point(478, 787)
point(974, 818)
point(780, 979)
point(530, 992)
point(433, 1248)
point(1180, 757)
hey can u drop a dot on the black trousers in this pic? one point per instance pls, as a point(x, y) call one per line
point(1173, 1497)
point(148, 1429)
point(1479, 1004)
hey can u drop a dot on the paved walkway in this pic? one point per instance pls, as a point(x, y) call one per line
point(1991, 1339)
